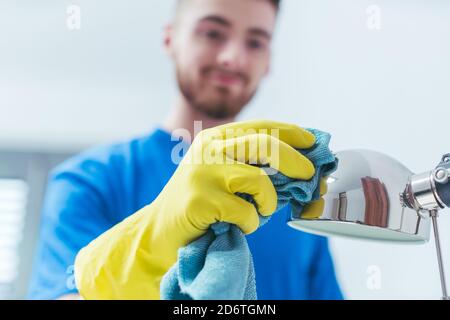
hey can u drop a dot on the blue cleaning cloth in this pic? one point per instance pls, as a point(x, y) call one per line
point(219, 265)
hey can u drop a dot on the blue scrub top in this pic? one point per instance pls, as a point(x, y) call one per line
point(91, 192)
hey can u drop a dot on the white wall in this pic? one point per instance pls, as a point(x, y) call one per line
point(386, 89)
point(70, 89)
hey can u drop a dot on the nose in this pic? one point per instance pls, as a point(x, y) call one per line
point(233, 56)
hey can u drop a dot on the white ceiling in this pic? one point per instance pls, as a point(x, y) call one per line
point(63, 89)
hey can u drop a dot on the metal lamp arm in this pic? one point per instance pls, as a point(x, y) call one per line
point(441, 177)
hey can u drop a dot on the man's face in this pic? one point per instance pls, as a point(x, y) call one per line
point(221, 51)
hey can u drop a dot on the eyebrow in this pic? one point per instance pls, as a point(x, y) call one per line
point(224, 22)
point(216, 19)
point(260, 32)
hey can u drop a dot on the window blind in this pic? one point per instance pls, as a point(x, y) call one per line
point(13, 206)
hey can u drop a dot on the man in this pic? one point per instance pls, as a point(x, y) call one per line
point(128, 207)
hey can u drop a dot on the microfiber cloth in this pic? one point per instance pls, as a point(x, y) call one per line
point(219, 264)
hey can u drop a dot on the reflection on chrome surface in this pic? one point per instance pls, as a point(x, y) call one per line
point(364, 201)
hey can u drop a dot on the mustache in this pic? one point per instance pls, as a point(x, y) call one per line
point(241, 75)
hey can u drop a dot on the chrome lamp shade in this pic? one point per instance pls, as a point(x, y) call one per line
point(364, 200)
point(373, 196)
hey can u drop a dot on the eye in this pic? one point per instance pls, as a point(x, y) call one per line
point(255, 44)
point(214, 35)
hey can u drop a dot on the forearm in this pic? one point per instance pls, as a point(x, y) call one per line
point(120, 263)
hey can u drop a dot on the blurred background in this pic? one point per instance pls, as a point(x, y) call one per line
point(375, 74)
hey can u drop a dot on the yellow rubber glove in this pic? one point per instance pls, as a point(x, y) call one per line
point(129, 260)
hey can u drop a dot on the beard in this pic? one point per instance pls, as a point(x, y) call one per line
point(221, 106)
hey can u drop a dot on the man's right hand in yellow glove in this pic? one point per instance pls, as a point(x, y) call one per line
point(129, 260)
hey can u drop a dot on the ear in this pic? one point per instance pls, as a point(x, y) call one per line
point(168, 39)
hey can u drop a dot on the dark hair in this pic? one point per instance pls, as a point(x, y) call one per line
point(276, 3)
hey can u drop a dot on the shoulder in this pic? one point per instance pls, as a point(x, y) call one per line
point(95, 180)
point(103, 161)
point(100, 173)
